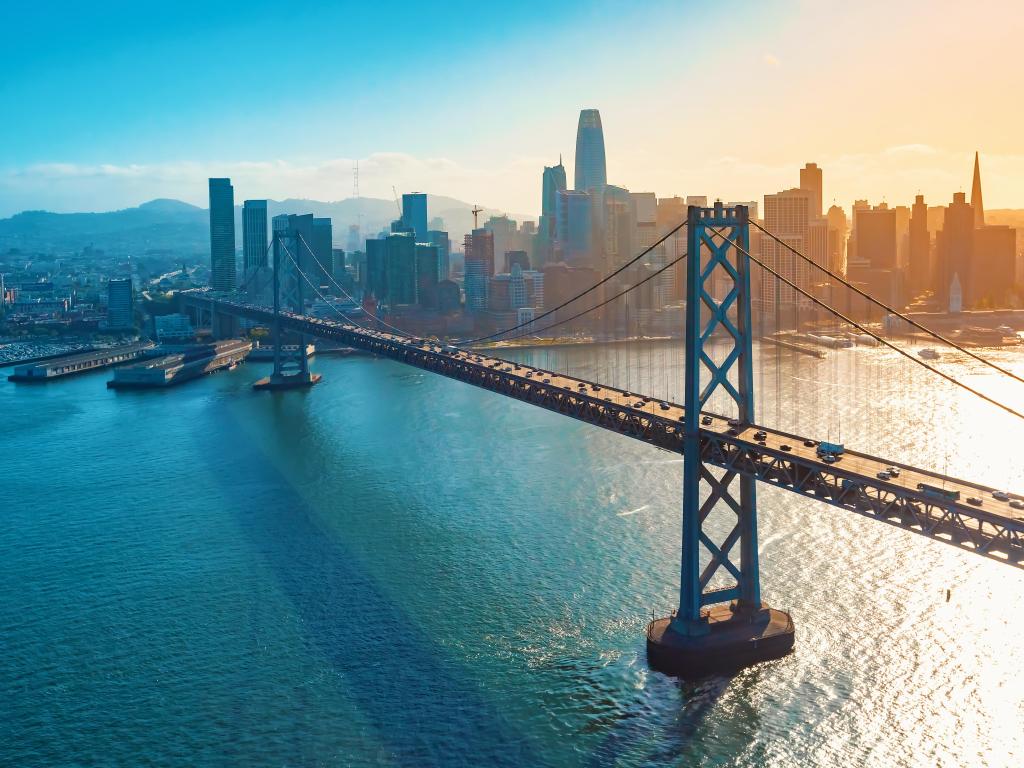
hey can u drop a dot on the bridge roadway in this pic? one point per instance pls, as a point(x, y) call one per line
point(994, 529)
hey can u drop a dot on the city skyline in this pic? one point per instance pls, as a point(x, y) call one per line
point(882, 133)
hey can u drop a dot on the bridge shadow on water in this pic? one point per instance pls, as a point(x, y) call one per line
point(674, 722)
point(425, 706)
point(426, 711)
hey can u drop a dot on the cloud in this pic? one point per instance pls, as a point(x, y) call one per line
point(60, 186)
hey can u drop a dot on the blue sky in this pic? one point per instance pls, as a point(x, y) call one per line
point(114, 103)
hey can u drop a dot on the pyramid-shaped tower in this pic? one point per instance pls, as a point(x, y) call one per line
point(976, 203)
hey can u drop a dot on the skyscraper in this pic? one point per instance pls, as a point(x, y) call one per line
point(591, 171)
point(322, 245)
point(120, 305)
point(222, 235)
point(575, 217)
point(954, 246)
point(553, 182)
point(976, 202)
point(788, 215)
point(414, 214)
point(254, 234)
point(444, 251)
point(919, 275)
point(810, 179)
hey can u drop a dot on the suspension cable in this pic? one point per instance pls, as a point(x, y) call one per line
point(317, 290)
point(580, 295)
point(891, 310)
point(347, 294)
point(871, 333)
point(603, 303)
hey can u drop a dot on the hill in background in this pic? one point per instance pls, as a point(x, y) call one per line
point(172, 225)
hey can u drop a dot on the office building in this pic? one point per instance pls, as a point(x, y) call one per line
point(120, 303)
point(222, 235)
point(645, 218)
point(414, 214)
point(575, 227)
point(479, 245)
point(391, 269)
point(787, 214)
point(354, 241)
point(876, 236)
point(476, 284)
point(919, 272)
point(254, 235)
point(427, 258)
point(954, 246)
point(522, 258)
point(591, 171)
point(619, 226)
point(503, 230)
point(993, 264)
point(444, 251)
point(810, 179)
point(322, 245)
point(837, 229)
point(173, 328)
point(552, 183)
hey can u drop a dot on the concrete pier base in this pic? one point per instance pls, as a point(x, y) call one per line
point(291, 381)
point(731, 640)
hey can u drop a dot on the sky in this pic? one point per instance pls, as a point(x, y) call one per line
point(112, 103)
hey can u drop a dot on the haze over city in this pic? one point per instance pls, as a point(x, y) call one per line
point(119, 104)
point(506, 385)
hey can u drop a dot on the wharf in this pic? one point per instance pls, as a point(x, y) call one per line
point(70, 365)
point(182, 364)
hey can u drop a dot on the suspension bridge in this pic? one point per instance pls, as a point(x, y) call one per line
point(721, 620)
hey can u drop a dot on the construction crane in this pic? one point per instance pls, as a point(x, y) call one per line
point(397, 204)
point(476, 212)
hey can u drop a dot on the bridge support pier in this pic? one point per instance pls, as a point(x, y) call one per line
point(291, 370)
point(717, 627)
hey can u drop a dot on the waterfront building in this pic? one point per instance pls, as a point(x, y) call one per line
point(173, 328)
point(222, 235)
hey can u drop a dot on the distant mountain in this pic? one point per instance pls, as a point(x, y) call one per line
point(173, 225)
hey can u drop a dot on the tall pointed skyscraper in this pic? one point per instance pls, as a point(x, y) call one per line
point(591, 172)
point(976, 202)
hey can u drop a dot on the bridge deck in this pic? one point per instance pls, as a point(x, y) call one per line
point(993, 528)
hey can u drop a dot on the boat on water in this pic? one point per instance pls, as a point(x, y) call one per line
point(928, 354)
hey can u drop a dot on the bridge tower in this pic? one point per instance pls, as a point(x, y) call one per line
point(717, 626)
point(291, 366)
